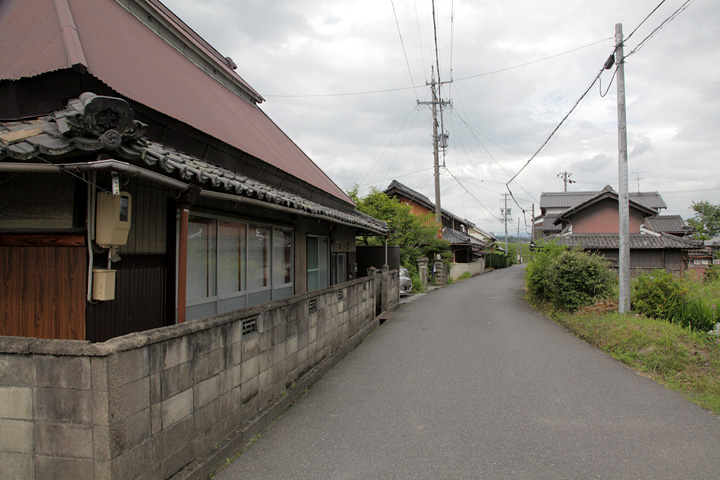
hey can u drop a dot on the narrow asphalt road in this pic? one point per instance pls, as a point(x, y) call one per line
point(469, 382)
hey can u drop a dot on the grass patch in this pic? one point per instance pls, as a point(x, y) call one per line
point(683, 360)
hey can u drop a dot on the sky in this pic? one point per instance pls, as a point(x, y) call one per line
point(344, 78)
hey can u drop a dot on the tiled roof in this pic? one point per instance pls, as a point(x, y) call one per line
point(459, 238)
point(571, 199)
point(111, 44)
point(51, 137)
point(548, 224)
point(612, 241)
point(713, 242)
point(668, 223)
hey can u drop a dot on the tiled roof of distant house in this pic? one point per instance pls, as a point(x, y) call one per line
point(565, 200)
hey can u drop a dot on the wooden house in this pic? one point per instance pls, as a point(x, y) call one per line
point(593, 224)
point(141, 183)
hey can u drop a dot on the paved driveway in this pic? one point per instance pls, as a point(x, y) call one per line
point(468, 382)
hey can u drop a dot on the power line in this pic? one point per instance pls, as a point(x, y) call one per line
point(414, 109)
point(417, 22)
point(407, 62)
point(645, 20)
point(672, 17)
point(399, 89)
point(604, 67)
point(471, 194)
point(398, 176)
point(559, 125)
point(532, 62)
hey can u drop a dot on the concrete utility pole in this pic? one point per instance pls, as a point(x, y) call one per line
point(436, 141)
point(532, 230)
point(623, 205)
point(566, 178)
point(519, 256)
point(506, 214)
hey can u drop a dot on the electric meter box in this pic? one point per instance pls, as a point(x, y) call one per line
point(112, 219)
point(103, 284)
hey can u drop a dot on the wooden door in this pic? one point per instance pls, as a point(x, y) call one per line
point(43, 290)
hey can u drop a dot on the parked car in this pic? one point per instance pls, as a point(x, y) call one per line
point(405, 281)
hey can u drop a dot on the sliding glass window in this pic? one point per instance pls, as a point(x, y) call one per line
point(234, 264)
point(318, 259)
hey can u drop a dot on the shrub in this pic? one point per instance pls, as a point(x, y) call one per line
point(658, 295)
point(574, 278)
point(417, 284)
point(697, 314)
point(536, 270)
point(498, 260)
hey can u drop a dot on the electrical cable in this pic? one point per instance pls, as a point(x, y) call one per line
point(471, 194)
point(532, 62)
point(417, 22)
point(399, 89)
point(414, 109)
point(584, 94)
point(645, 20)
point(407, 62)
point(398, 176)
point(672, 17)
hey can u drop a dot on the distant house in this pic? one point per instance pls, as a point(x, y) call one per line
point(593, 224)
point(142, 186)
point(466, 248)
point(554, 204)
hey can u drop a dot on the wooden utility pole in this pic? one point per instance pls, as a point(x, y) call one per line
point(623, 204)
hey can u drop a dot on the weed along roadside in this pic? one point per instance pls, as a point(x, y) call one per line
point(671, 336)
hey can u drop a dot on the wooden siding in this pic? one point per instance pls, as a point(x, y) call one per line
point(141, 301)
point(148, 230)
point(42, 292)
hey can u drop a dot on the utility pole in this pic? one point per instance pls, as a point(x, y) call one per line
point(532, 230)
point(517, 253)
point(436, 141)
point(506, 214)
point(566, 178)
point(623, 205)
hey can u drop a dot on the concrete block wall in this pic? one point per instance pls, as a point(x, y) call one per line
point(159, 404)
point(474, 268)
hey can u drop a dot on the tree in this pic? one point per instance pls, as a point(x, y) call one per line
point(706, 222)
point(410, 232)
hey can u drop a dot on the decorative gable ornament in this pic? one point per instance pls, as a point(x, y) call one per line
point(109, 119)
